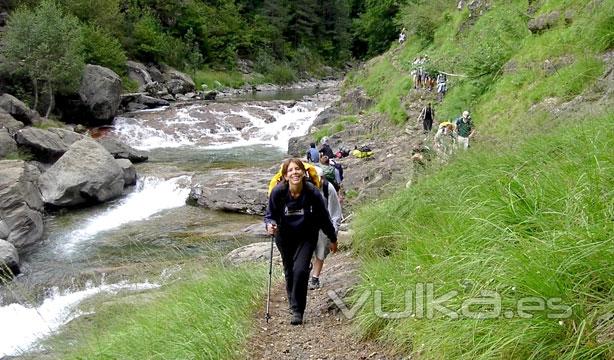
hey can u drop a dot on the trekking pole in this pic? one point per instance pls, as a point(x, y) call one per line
point(267, 316)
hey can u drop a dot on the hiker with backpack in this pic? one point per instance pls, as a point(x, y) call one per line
point(330, 171)
point(325, 149)
point(323, 247)
point(427, 115)
point(295, 213)
point(313, 156)
point(464, 129)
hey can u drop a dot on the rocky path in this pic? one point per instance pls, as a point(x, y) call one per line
point(325, 334)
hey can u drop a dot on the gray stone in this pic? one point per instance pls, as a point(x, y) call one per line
point(47, 145)
point(8, 121)
point(18, 109)
point(256, 252)
point(356, 101)
point(120, 150)
point(9, 259)
point(100, 91)
point(129, 171)
point(86, 173)
point(139, 73)
point(177, 82)
point(21, 220)
point(326, 116)
point(243, 191)
point(7, 143)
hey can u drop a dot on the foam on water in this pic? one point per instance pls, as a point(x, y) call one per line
point(23, 326)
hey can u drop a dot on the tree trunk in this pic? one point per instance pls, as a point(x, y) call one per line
point(50, 100)
point(35, 84)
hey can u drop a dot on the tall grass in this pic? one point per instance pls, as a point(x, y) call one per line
point(199, 318)
point(533, 222)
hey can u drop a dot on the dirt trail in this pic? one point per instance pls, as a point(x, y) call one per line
point(325, 334)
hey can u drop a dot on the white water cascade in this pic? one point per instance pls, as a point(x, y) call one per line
point(217, 127)
point(23, 326)
point(151, 196)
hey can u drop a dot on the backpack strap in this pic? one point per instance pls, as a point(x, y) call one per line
point(325, 188)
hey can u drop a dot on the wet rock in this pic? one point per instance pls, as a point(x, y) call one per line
point(9, 260)
point(129, 171)
point(86, 173)
point(139, 73)
point(177, 82)
point(209, 95)
point(120, 150)
point(21, 220)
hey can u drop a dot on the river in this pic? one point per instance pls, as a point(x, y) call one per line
point(133, 243)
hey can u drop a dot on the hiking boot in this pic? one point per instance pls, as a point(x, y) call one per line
point(314, 283)
point(297, 318)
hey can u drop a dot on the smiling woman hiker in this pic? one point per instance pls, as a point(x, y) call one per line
point(294, 215)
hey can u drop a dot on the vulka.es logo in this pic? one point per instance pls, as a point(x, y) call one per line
point(421, 303)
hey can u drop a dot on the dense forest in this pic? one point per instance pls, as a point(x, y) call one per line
point(284, 39)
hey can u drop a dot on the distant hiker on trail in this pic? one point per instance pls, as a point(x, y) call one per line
point(442, 86)
point(313, 155)
point(445, 138)
point(322, 249)
point(427, 115)
point(464, 129)
point(295, 214)
point(330, 171)
point(325, 148)
point(402, 36)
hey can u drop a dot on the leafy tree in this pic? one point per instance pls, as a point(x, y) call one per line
point(46, 45)
point(195, 58)
point(101, 48)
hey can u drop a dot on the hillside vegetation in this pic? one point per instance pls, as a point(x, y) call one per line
point(515, 235)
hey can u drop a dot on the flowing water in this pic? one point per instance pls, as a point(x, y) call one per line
point(134, 242)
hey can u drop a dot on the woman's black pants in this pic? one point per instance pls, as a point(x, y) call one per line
point(296, 257)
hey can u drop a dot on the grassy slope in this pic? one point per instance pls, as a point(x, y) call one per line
point(533, 219)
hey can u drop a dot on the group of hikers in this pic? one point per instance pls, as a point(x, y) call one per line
point(448, 133)
point(303, 215)
point(424, 79)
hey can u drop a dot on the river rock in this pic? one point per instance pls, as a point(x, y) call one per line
point(256, 252)
point(129, 171)
point(86, 173)
point(120, 150)
point(139, 73)
point(100, 91)
point(9, 259)
point(355, 101)
point(7, 143)
point(241, 191)
point(326, 116)
point(21, 220)
point(18, 109)
point(177, 82)
point(8, 122)
point(47, 145)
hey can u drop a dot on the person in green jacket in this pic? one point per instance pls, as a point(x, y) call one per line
point(464, 129)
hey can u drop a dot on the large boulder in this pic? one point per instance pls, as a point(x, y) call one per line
point(129, 171)
point(326, 116)
point(138, 72)
point(86, 173)
point(8, 121)
point(47, 145)
point(253, 253)
point(355, 101)
point(7, 143)
point(18, 109)
point(100, 91)
point(177, 82)
point(147, 102)
point(9, 259)
point(120, 150)
point(242, 191)
point(21, 219)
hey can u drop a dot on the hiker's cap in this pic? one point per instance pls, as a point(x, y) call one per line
point(465, 113)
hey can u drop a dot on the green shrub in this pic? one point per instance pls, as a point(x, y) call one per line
point(281, 74)
point(103, 49)
point(218, 79)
